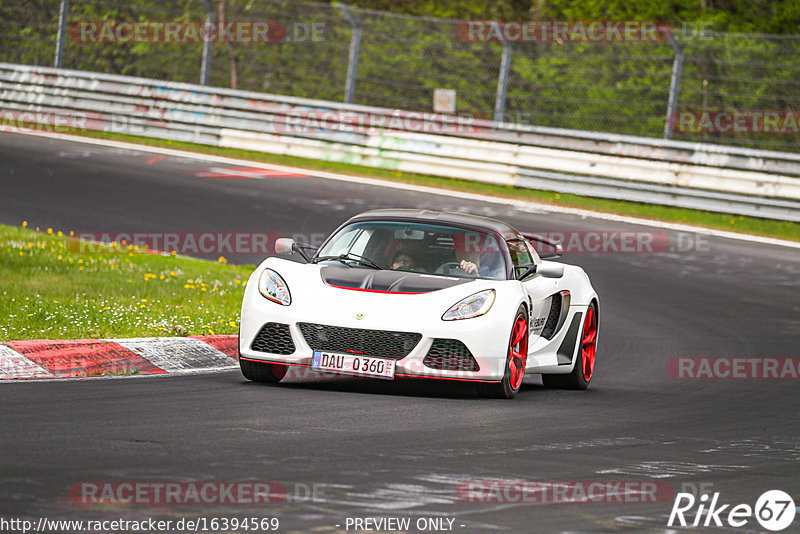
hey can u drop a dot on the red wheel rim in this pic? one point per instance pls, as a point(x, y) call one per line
point(518, 351)
point(589, 343)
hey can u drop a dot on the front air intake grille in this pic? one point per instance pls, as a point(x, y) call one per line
point(274, 338)
point(378, 343)
point(450, 355)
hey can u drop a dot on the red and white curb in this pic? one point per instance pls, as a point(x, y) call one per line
point(44, 358)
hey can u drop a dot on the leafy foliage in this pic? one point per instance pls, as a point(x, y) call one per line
point(614, 87)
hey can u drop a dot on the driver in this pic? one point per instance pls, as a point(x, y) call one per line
point(478, 257)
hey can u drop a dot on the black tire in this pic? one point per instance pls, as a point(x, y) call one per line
point(575, 379)
point(268, 373)
point(505, 389)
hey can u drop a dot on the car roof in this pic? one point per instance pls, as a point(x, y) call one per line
point(428, 216)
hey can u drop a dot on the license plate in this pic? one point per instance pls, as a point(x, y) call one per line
point(353, 364)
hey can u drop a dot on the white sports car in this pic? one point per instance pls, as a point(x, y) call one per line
point(422, 294)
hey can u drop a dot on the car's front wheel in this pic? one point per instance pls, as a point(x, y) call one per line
point(269, 373)
point(516, 359)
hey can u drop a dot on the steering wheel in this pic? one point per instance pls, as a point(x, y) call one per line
point(447, 268)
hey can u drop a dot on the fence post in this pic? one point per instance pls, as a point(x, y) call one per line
point(674, 87)
point(355, 49)
point(502, 83)
point(205, 66)
point(63, 13)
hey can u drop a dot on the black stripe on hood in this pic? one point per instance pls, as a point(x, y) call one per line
point(386, 280)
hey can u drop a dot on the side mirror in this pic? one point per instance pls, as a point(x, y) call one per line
point(284, 245)
point(546, 270)
point(550, 270)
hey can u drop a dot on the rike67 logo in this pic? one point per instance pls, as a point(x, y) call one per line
point(774, 510)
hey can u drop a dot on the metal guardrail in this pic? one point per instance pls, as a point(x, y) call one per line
point(708, 177)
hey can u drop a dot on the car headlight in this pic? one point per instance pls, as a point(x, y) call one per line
point(472, 306)
point(273, 287)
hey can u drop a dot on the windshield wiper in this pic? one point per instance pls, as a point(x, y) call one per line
point(352, 257)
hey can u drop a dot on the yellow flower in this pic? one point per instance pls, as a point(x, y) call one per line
point(172, 273)
point(161, 277)
point(60, 234)
point(49, 230)
point(222, 259)
point(24, 224)
point(173, 253)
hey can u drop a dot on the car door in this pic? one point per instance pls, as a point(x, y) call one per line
point(539, 289)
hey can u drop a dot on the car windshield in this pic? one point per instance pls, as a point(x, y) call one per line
point(414, 247)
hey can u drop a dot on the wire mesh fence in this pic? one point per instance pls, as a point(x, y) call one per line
point(734, 89)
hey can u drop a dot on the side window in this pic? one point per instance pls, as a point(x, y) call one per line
point(520, 253)
point(534, 254)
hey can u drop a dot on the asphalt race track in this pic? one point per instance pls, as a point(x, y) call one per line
point(372, 449)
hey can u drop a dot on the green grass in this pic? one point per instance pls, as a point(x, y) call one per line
point(720, 221)
point(56, 287)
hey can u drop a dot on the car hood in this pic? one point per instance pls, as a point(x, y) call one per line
point(386, 280)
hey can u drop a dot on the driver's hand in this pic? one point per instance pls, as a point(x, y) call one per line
point(469, 267)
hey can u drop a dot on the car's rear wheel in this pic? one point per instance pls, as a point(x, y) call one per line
point(582, 373)
point(516, 359)
point(269, 373)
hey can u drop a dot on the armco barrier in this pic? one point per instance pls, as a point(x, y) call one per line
point(700, 176)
